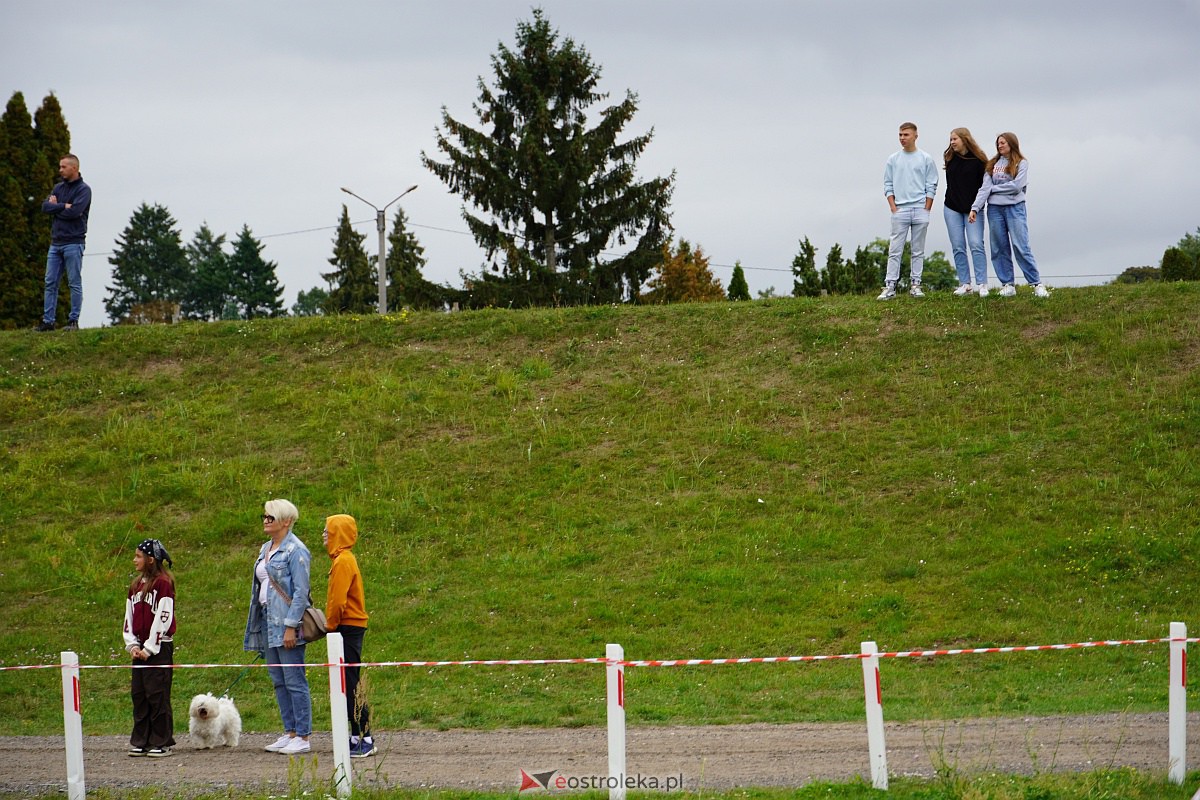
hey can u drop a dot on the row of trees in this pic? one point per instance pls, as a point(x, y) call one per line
point(156, 278)
point(30, 147)
point(353, 281)
point(864, 273)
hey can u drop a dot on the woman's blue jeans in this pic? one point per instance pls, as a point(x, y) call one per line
point(1010, 236)
point(291, 689)
point(963, 236)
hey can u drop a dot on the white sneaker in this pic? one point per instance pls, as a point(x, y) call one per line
point(1008, 290)
point(889, 291)
point(278, 744)
point(963, 289)
point(983, 290)
point(1040, 290)
point(295, 746)
point(915, 290)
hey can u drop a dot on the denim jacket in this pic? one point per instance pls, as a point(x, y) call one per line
point(289, 566)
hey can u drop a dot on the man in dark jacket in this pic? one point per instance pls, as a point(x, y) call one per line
point(68, 207)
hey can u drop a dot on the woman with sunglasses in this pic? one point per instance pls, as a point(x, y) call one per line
point(279, 595)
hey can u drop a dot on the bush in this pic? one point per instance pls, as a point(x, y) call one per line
point(1176, 266)
point(1139, 275)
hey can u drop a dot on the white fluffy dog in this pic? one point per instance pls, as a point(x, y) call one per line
point(214, 721)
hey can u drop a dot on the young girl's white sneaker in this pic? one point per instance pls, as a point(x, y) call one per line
point(963, 289)
point(983, 290)
point(1040, 290)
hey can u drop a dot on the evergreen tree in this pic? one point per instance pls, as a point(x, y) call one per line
point(807, 281)
point(557, 192)
point(20, 302)
point(354, 288)
point(837, 278)
point(405, 260)
point(310, 303)
point(52, 136)
point(256, 290)
point(149, 265)
point(22, 265)
point(869, 266)
point(738, 288)
point(683, 277)
point(209, 287)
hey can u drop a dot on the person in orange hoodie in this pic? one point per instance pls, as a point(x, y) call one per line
point(346, 613)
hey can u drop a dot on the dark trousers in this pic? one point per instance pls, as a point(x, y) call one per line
point(153, 723)
point(357, 710)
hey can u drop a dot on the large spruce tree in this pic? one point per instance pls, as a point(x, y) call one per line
point(209, 286)
point(554, 194)
point(353, 284)
point(149, 265)
point(256, 289)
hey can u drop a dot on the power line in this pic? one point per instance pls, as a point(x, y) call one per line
point(783, 270)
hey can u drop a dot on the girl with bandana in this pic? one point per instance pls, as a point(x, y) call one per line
point(149, 628)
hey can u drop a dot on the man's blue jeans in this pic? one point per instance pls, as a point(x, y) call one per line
point(963, 236)
point(62, 258)
point(908, 220)
point(291, 689)
point(1010, 236)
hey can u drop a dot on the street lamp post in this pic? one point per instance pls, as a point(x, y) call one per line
point(381, 226)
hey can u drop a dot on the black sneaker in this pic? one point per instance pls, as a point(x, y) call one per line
point(136, 752)
point(42, 327)
point(158, 752)
point(71, 326)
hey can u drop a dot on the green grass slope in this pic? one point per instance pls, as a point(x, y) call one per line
point(783, 477)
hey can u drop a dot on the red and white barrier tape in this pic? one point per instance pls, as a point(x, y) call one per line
point(703, 662)
point(677, 662)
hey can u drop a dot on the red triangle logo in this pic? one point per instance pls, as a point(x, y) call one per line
point(527, 782)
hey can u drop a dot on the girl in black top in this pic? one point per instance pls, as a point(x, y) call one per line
point(965, 161)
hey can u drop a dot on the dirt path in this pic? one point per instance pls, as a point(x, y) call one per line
point(717, 757)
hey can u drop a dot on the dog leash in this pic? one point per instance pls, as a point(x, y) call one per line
point(241, 675)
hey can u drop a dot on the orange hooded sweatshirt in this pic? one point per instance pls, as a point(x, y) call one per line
point(344, 602)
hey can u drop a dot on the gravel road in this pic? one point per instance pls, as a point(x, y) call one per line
point(717, 757)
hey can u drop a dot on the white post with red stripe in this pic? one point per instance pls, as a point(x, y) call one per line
point(73, 725)
point(873, 690)
point(1177, 705)
point(339, 727)
point(615, 674)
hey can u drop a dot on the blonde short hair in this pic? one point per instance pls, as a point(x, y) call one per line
point(282, 510)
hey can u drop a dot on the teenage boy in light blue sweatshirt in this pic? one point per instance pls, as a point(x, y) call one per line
point(910, 181)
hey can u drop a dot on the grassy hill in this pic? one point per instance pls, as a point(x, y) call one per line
point(783, 477)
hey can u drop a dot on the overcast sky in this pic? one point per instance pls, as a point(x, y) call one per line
point(777, 116)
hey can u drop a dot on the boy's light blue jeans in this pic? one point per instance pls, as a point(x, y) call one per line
point(908, 221)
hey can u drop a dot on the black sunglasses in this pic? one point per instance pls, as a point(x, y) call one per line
point(268, 518)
